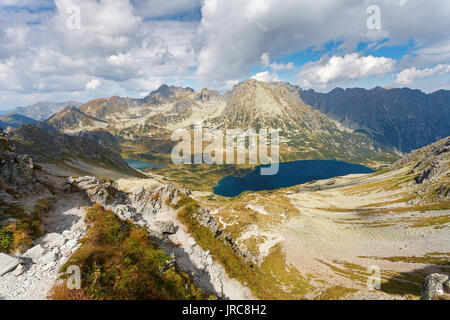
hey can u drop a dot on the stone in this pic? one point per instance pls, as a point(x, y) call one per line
point(8, 263)
point(433, 286)
point(447, 286)
point(166, 227)
point(69, 234)
point(71, 243)
point(54, 240)
point(18, 271)
point(49, 257)
point(35, 253)
point(22, 248)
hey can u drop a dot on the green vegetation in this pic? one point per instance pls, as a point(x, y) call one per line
point(6, 240)
point(435, 258)
point(119, 261)
point(24, 228)
point(406, 284)
point(336, 293)
point(201, 177)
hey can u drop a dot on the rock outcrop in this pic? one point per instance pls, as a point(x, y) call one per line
point(47, 145)
point(431, 169)
point(8, 263)
point(17, 170)
point(436, 286)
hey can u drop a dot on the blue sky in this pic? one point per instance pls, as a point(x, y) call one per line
point(82, 49)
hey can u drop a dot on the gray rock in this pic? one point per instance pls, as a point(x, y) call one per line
point(166, 227)
point(433, 286)
point(447, 286)
point(71, 243)
point(18, 271)
point(53, 240)
point(49, 257)
point(35, 253)
point(8, 263)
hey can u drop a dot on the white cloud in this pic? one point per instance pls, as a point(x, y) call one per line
point(115, 45)
point(266, 76)
point(280, 66)
point(408, 76)
point(336, 69)
point(93, 84)
point(265, 59)
point(234, 36)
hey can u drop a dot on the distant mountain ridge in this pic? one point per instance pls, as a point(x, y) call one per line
point(73, 118)
point(405, 118)
point(43, 110)
point(48, 145)
point(14, 120)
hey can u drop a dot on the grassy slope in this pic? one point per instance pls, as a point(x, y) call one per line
point(119, 261)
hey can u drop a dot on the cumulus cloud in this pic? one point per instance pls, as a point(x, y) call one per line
point(408, 76)
point(266, 76)
point(265, 59)
point(235, 35)
point(115, 45)
point(280, 66)
point(337, 69)
point(93, 84)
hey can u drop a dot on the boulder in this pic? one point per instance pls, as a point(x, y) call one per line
point(8, 263)
point(71, 243)
point(18, 271)
point(53, 240)
point(433, 286)
point(49, 257)
point(35, 253)
point(166, 227)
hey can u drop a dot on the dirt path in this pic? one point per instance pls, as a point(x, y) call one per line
point(64, 226)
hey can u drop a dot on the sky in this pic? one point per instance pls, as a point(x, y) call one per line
point(59, 50)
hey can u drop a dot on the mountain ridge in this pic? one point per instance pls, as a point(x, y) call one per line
point(41, 111)
point(405, 118)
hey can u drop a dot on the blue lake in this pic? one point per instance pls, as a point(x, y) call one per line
point(141, 165)
point(289, 174)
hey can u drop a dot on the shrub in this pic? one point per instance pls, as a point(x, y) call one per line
point(120, 261)
point(6, 240)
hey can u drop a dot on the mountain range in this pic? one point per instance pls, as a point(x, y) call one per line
point(43, 110)
point(404, 118)
point(306, 133)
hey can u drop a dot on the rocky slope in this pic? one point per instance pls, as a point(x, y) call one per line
point(153, 208)
point(73, 119)
point(333, 230)
point(47, 145)
point(406, 119)
point(14, 120)
point(431, 170)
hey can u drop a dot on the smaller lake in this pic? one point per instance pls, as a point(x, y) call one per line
point(142, 165)
point(290, 174)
